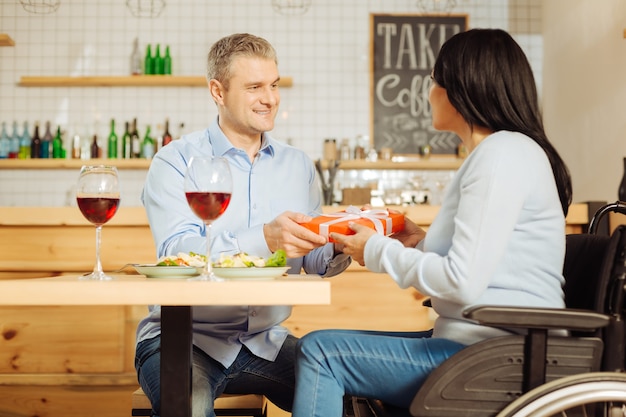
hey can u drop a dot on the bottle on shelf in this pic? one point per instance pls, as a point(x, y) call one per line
point(135, 59)
point(158, 61)
point(126, 142)
point(85, 144)
point(167, 137)
point(25, 143)
point(95, 148)
point(5, 142)
point(46, 142)
point(148, 62)
point(360, 152)
point(35, 143)
point(57, 145)
point(345, 153)
point(135, 141)
point(76, 144)
point(147, 146)
point(112, 142)
point(167, 62)
point(14, 147)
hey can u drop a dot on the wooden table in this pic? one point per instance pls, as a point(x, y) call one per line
point(176, 296)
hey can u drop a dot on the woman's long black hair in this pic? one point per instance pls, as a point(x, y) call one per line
point(491, 84)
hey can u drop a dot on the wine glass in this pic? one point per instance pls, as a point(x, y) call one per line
point(208, 188)
point(98, 197)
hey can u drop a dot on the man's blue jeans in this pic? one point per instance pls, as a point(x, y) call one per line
point(388, 366)
point(249, 374)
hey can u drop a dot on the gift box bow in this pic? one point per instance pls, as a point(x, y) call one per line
point(376, 216)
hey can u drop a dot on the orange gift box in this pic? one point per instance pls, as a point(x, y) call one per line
point(381, 220)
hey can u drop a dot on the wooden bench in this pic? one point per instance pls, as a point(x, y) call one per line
point(226, 405)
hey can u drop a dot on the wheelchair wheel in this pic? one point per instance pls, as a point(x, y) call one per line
point(598, 394)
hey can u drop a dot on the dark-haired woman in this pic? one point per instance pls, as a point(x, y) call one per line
point(499, 236)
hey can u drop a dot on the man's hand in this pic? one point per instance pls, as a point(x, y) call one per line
point(284, 232)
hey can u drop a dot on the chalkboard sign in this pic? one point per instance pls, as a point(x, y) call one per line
point(404, 49)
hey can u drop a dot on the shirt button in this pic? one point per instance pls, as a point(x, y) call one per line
point(253, 313)
point(254, 206)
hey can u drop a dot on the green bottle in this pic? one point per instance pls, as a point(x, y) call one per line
point(148, 62)
point(57, 145)
point(25, 143)
point(126, 145)
point(112, 142)
point(147, 147)
point(158, 61)
point(167, 62)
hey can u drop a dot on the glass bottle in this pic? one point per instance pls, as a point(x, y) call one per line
point(167, 137)
point(344, 150)
point(112, 142)
point(148, 63)
point(35, 143)
point(46, 142)
point(14, 148)
point(135, 141)
point(126, 142)
point(621, 192)
point(359, 148)
point(5, 142)
point(57, 145)
point(167, 62)
point(76, 142)
point(95, 149)
point(147, 146)
point(158, 61)
point(25, 143)
point(135, 59)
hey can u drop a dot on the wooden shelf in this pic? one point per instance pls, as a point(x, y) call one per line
point(72, 163)
point(432, 163)
point(5, 40)
point(124, 81)
point(438, 163)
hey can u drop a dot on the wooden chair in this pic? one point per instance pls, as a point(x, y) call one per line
point(226, 405)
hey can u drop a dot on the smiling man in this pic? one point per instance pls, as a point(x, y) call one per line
point(241, 349)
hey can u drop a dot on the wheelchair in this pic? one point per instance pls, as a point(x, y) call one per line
point(532, 373)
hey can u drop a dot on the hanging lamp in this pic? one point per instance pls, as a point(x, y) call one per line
point(291, 7)
point(40, 6)
point(145, 8)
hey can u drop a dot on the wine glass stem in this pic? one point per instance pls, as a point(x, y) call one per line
point(208, 268)
point(98, 267)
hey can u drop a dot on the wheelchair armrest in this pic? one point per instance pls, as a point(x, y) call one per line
point(537, 318)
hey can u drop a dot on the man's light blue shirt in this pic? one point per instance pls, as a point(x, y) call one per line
point(281, 178)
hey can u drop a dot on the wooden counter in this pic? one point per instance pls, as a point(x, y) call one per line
point(53, 239)
point(54, 356)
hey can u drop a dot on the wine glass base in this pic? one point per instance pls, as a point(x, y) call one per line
point(206, 277)
point(95, 276)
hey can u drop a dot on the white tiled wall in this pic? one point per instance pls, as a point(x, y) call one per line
point(326, 51)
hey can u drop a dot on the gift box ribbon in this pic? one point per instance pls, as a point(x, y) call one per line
point(354, 213)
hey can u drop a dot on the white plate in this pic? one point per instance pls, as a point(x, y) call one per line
point(153, 271)
point(252, 273)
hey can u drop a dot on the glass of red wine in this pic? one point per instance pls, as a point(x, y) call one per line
point(98, 197)
point(208, 188)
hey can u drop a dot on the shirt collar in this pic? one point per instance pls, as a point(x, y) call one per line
point(221, 145)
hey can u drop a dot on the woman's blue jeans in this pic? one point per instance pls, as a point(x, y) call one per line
point(249, 374)
point(389, 366)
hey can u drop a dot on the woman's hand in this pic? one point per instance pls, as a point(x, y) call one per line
point(411, 235)
point(354, 245)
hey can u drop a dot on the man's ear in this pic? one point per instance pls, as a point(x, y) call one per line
point(216, 89)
